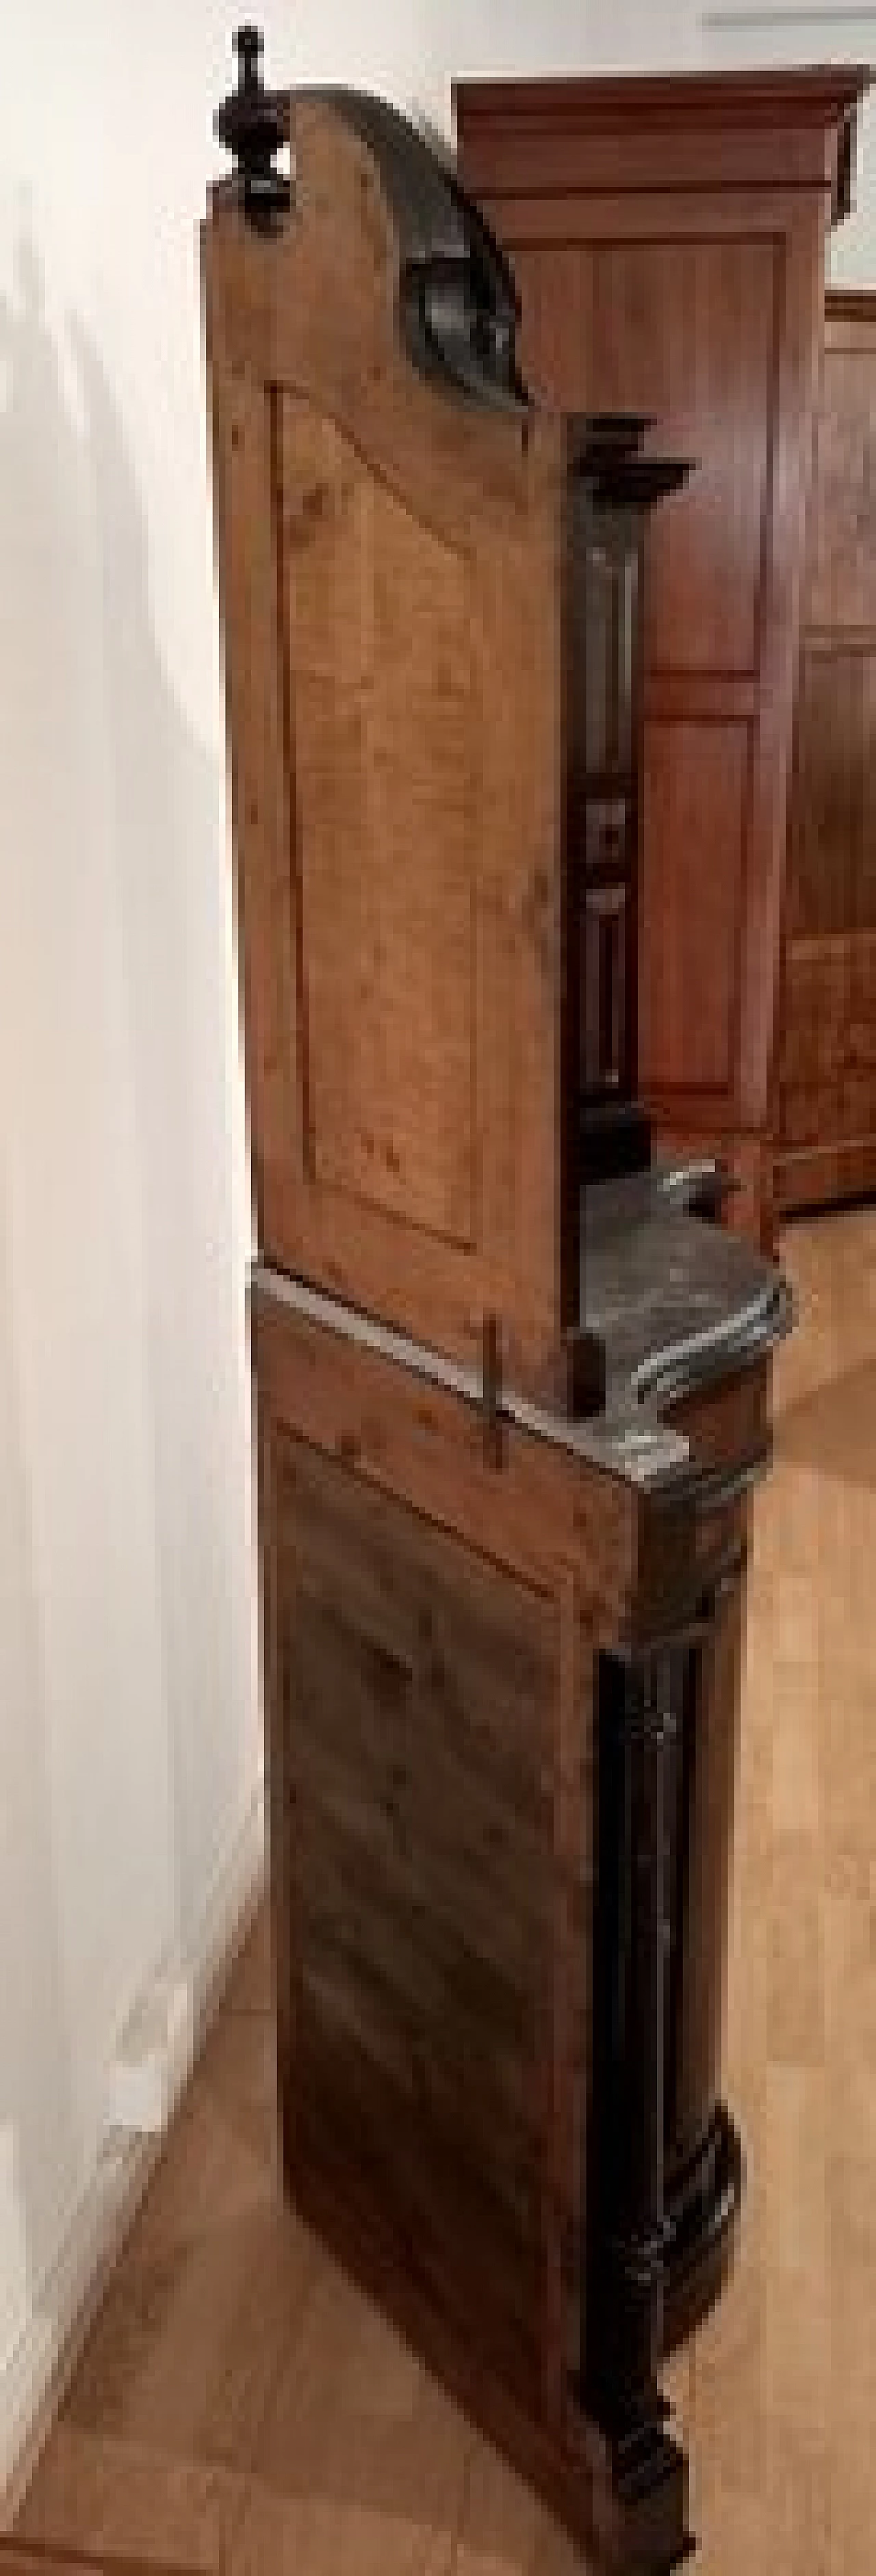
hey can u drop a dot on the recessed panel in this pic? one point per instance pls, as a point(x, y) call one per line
point(376, 628)
point(419, 1699)
point(842, 576)
point(829, 795)
point(696, 821)
point(686, 331)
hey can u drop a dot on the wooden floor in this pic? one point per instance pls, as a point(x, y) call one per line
point(239, 2408)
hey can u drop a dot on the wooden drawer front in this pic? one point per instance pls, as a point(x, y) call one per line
point(419, 1691)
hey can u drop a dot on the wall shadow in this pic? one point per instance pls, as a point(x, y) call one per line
point(170, 838)
point(36, 2079)
point(106, 800)
point(40, 567)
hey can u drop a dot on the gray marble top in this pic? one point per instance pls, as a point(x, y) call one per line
point(678, 1303)
point(674, 1300)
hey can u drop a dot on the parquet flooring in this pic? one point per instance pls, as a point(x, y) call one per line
point(239, 2408)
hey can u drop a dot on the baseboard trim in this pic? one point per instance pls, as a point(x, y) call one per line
point(815, 1178)
point(36, 2373)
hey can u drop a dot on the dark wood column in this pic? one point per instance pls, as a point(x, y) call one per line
point(704, 2172)
point(625, 2247)
point(625, 2235)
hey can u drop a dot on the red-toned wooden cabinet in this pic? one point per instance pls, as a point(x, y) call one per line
point(668, 241)
point(827, 1083)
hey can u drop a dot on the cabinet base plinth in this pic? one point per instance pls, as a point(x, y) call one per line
point(649, 2499)
point(623, 2498)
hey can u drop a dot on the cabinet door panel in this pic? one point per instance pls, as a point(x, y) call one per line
point(697, 784)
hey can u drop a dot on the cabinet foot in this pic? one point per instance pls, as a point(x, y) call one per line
point(704, 2195)
point(640, 2514)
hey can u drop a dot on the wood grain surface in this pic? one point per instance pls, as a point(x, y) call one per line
point(668, 242)
point(827, 1091)
point(393, 683)
point(250, 2411)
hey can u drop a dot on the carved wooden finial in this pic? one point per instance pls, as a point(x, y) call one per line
point(250, 126)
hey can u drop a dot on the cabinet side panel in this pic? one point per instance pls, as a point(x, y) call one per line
point(419, 1699)
point(262, 796)
point(390, 565)
point(378, 634)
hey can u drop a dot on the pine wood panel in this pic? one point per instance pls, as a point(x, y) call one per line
point(389, 793)
point(430, 1725)
point(394, 691)
point(668, 240)
point(266, 887)
point(827, 1094)
point(420, 1686)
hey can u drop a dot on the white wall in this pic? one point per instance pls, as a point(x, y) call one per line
point(129, 1719)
